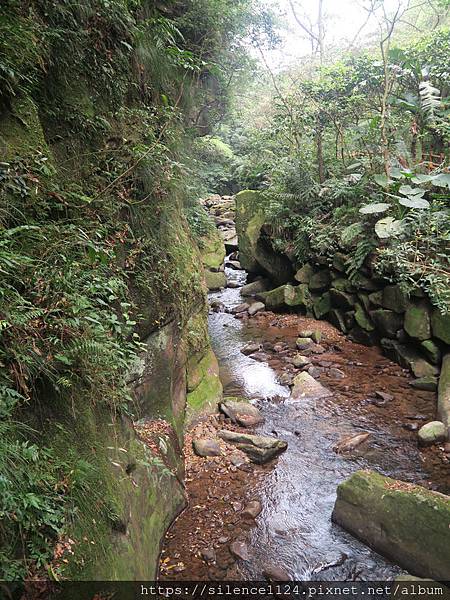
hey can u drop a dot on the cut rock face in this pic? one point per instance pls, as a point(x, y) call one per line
point(259, 448)
point(407, 523)
point(242, 413)
point(306, 387)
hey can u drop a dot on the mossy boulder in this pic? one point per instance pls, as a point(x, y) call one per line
point(417, 321)
point(431, 351)
point(322, 305)
point(387, 322)
point(215, 280)
point(395, 299)
point(363, 319)
point(343, 285)
point(440, 324)
point(320, 281)
point(341, 299)
point(443, 408)
point(336, 317)
point(406, 523)
point(212, 250)
point(298, 296)
point(304, 274)
point(407, 356)
point(432, 433)
point(250, 218)
point(362, 336)
point(203, 384)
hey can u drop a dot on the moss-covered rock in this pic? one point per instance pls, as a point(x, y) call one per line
point(387, 322)
point(212, 250)
point(204, 385)
point(304, 274)
point(408, 357)
point(444, 393)
point(431, 351)
point(215, 280)
point(341, 299)
point(322, 305)
point(417, 321)
point(395, 299)
point(363, 319)
point(250, 218)
point(440, 324)
point(405, 522)
point(343, 285)
point(320, 281)
point(336, 317)
point(298, 296)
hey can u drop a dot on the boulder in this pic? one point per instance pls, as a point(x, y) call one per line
point(407, 357)
point(250, 348)
point(250, 218)
point(241, 412)
point(361, 336)
point(363, 319)
point(304, 274)
point(427, 384)
point(297, 296)
point(206, 447)
point(252, 509)
point(405, 522)
point(351, 442)
point(376, 298)
point(387, 322)
point(212, 250)
point(255, 308)
point(431, 351)
point(336, 317)
point(342, 299)
point(215, 280)
point(275, 573)
point(256, 287)
point(306, 387)
point(239, 550)
point(320, 281)
point(432, 433)
point(259, 448)
point(343, 285)
point(417, 321)
point(440, 325)
point(322, 305)
point(443, 408)
point(394, 298)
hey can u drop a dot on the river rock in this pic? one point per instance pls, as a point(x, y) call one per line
point(232, 284)
point(206, 447)
point(255, 308)
point(351, 442)
point(275, 573)
point(306, 387)
point(432, 433)
point(239, 550)
point(234, 264)
point(240, 308)
point(407, 523)
point(300, 361)
point(252, 509)
point(322, 305)
point(242, 413)
point(303, 343)
point(250, 348)
point(259, 448)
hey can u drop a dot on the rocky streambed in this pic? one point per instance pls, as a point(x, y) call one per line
point(344, 411)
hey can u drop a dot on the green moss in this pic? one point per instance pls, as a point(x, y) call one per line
point(212, 250)
point(250, 218)
point(208, 390)
point(417, 322)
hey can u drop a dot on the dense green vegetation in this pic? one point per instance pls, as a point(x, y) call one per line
point(99, 101)
point(353, 154)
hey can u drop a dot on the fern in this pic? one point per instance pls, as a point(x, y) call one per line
point(430, 98)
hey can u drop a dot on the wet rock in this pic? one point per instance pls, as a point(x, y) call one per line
point(275, 573)
point(217, 306)
point(428, 384)
point(306, 387)
point(405, 522)
point(234, 264)
point(233, 284)
point(350, 443)
point(239, 550)
point(315, 371)
point(250, 348)
point(259, 356)
point(252, 509)
point(260, 449)
point(300, 361)
point(241, 412)
point(208, 554)
point(206, 447)
point(240, 308)
point(303, 343)
point(255, 308)
point(432, 433)
point(285, 379)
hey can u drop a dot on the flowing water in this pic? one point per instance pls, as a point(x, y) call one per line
point(295, 529)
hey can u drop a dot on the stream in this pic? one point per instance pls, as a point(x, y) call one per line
point(297, 491)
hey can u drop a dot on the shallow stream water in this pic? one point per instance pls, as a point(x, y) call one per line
point(295, 528)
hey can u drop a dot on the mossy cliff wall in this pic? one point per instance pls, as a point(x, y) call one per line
point(101, 259)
